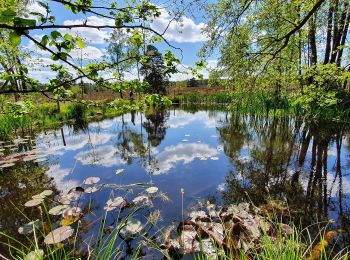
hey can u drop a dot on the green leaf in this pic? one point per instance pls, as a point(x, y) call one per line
point(15, 38)
point(44, 40)
point(7, 15)
point(55, 35)
point(80, 43)
point(28, 22)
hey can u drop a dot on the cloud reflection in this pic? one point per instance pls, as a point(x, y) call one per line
point(185, 152)
point(105, 156)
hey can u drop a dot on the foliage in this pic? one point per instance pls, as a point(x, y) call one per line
point(131, 33)
point(157, 100)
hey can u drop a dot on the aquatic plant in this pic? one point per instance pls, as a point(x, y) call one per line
point(57, 233)
point(244, 231)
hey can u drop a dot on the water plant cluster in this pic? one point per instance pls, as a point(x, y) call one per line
point(63, 229)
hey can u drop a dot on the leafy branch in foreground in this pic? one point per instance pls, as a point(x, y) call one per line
point(133, 20)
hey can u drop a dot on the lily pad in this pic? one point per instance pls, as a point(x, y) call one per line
point(64, 200)
point(142, 200)
point(74, 195)
point(43, 194)
point(33, 202)
point(116, 203)
point(58, 210)
point(47, 192)
point(68, 221)
point(73, 211)
point(58, 235)
point(35, 255)
point(91, 180)
point(29, 227)
point(132, 227)
point(119, 171)
point(151, 190)
point(91, 190)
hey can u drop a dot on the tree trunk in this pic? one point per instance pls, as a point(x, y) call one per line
point(329, 33)
point(312, 40)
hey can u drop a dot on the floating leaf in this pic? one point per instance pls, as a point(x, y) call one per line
point(38, 196)
point(91, 180)
point(64, 200)
point(58, 235)
point(132, 227)
point(188, 241)
point(43, 194)
point(29, 227)
point(73, 211)
point(118, 202)
point(91, 190)
point(58, 210)
point(142, 200)
point(119, 171)
point(68, 221)
point(33, 202)
point(74, 195)
point(151, 190)
point(35, 255)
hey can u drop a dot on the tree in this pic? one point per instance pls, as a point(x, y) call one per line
point(118, 50)
point(273, 43)
point(57, 42)
point(191, 83)
point(154, 70)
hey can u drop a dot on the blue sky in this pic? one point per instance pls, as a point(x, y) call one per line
point(185, 35)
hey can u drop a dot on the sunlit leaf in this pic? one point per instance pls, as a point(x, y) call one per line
point(91, 180)
point(35, 255)
point(58, 235)
point(132, 227)
point(116, 203)
point(151, 190)
point(58, 210)
point(119, 171)
point(29, 227)
point(68, 220)
point(73, 211)
point(33, 202)
point(91, 190)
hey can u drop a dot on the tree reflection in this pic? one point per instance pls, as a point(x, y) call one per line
point(155, 125)
point(281, 158)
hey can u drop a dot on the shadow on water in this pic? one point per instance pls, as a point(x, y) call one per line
point(211, 153)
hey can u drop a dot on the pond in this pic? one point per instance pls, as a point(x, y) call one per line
point(215, 155)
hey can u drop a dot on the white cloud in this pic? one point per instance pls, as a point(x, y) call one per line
point(185, 31)
point(185, 74)
point(89, 52)
point(182, 152)
point(35, 8)
point(90, 35)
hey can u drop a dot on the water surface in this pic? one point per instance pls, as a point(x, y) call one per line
point(217, 155)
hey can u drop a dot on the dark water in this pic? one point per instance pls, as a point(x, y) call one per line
point(212, 155)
